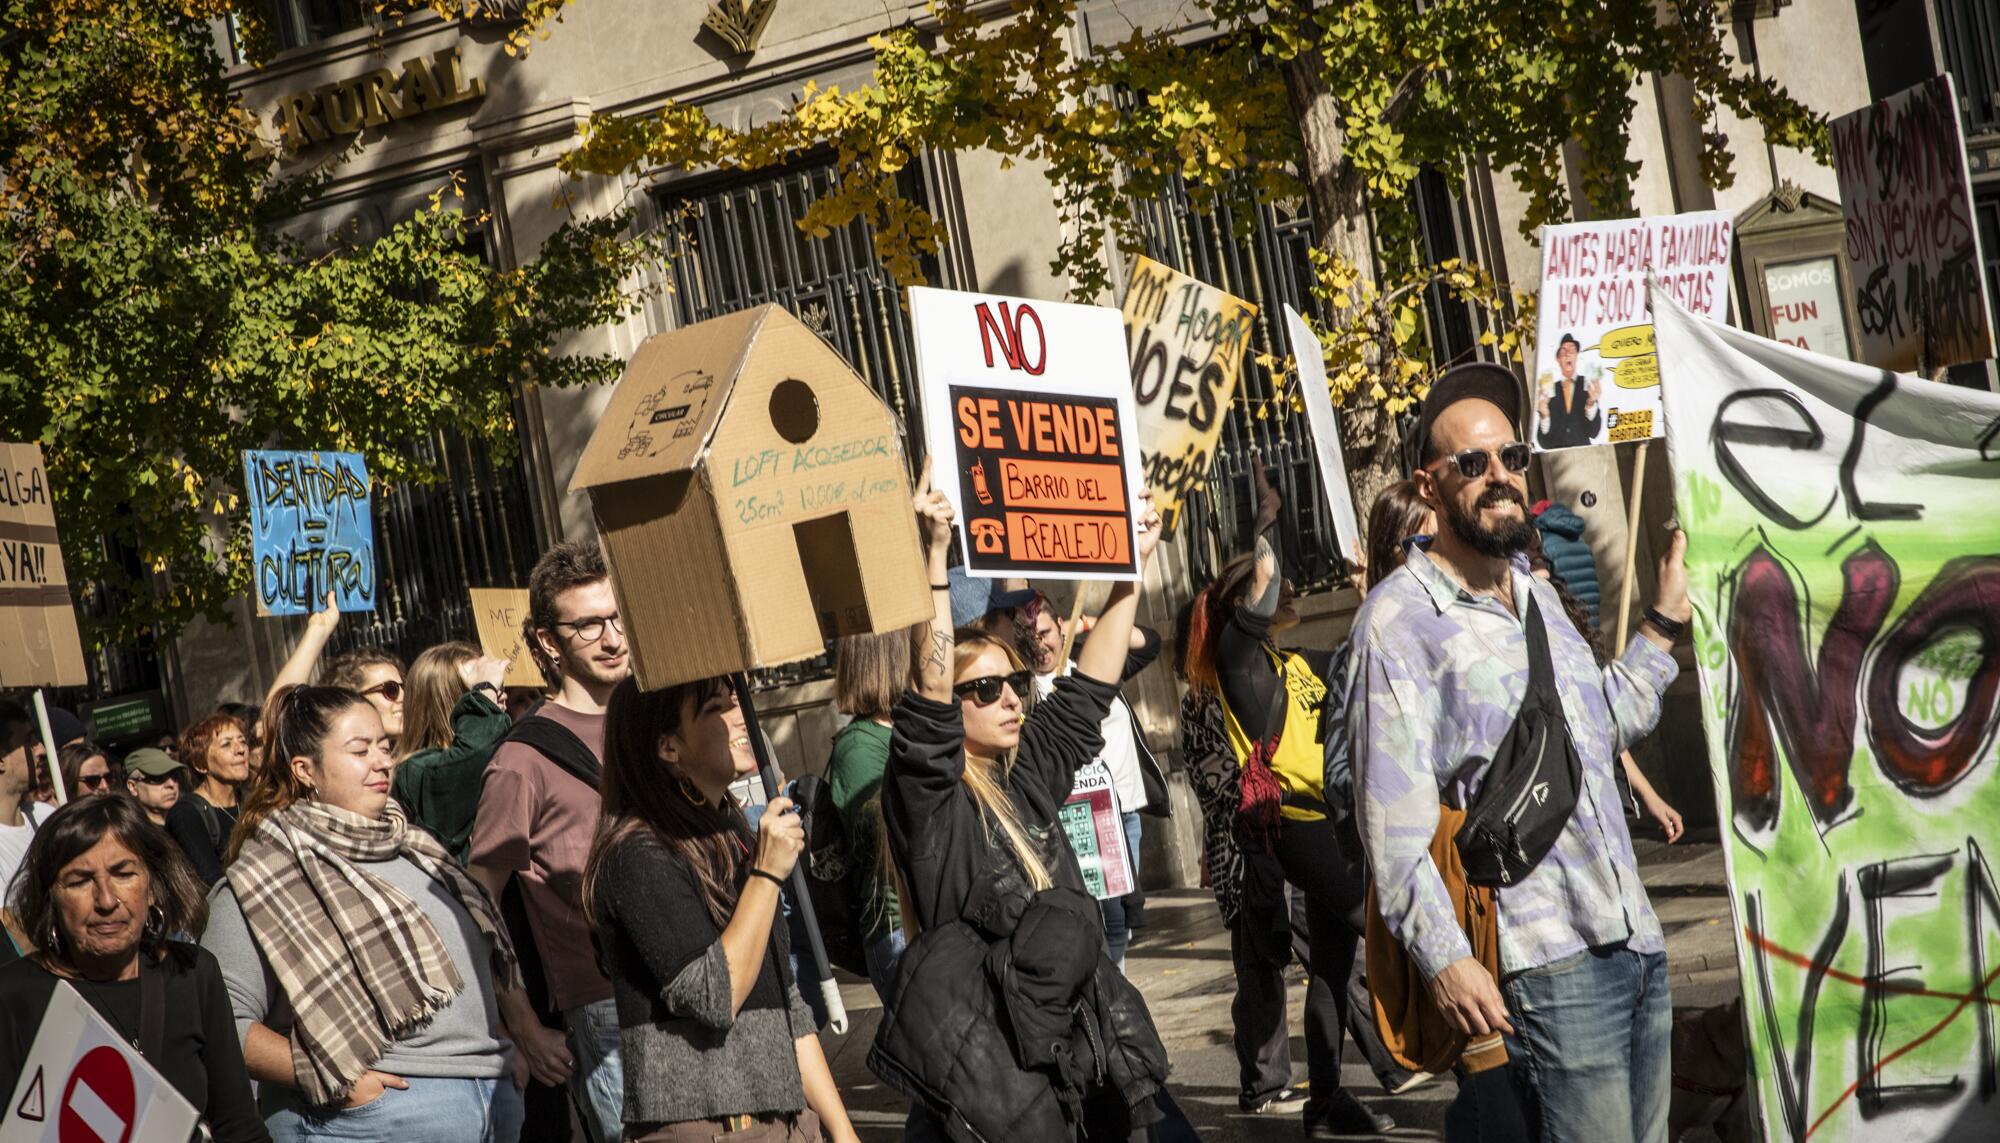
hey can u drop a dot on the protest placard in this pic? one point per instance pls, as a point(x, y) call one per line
point(1325, 426)
point(1912, 244)
point(1597, 379)
point(497, 613)
point(38, 636)
point(312, 530)
point(1187, 340)
point(1849, 656)
point(1028, 412)
point(81, 1080)
point(1096, 831)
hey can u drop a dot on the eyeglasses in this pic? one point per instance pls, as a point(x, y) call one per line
point(590, 630)
point(1472, 463)
point(94, 781)
point(986, 690)
point(391, 690)
point(155, 779)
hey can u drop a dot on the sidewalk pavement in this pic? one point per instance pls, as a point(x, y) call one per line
point(1181, 962)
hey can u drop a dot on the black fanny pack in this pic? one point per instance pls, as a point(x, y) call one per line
point(1531, 789)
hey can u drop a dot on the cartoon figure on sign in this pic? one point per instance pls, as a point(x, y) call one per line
point(979, 487)
point(1566, 407)
point(986, 535)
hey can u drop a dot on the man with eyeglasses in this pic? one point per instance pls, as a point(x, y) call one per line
point(153, 777)
point(1440, 669)
point(538, 811)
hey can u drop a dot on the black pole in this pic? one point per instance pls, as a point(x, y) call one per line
point(836, 1012)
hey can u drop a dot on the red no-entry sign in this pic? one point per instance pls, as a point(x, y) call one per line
point(99, 1101)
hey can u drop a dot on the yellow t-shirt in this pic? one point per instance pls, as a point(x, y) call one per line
point(1300, 761)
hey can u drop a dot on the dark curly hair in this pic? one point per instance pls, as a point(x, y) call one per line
point(73, 831)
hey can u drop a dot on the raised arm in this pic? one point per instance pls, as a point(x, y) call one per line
point(1103, 655)
point(298, 670)
point(933, 510)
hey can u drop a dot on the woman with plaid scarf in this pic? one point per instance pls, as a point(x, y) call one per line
point(362, 962)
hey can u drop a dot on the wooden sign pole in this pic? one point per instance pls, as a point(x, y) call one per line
point(1069, 629)
point(49, 744)
point(1631, 546)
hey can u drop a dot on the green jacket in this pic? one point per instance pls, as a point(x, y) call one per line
point(440, 787)
point(860, 756)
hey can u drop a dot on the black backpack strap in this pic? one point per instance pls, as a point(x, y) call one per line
point(559, 744)
point(210, 821)
point(152, 1008)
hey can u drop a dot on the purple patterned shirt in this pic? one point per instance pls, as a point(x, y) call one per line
point(1437, 676)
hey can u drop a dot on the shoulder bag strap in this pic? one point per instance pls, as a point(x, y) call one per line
point(152, 1008)
point(560, 745)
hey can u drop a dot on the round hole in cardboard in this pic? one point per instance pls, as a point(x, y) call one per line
point(794, 410)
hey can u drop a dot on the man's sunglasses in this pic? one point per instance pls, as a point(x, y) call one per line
point(1472, 462)
point(155, 779)
point(986, 690)
point(391, 690)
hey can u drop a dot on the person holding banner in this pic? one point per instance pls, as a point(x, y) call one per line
point(685, 903)
point(1447, 650)
point(453, 721)
point(100, 891)
point(1272, 704)
point(971, 806)
point(364, 965)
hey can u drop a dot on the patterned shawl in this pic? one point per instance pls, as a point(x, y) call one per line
point(360, 962)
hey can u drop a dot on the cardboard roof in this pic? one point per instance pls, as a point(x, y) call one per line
point(670, 398)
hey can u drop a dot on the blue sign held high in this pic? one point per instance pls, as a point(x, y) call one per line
point(312, 530)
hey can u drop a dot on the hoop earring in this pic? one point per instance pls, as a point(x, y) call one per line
point(156, 920)
point(689, 791)
point(54, 942)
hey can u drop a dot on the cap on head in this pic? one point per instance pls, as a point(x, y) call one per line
point(1479, 380)
point(151, 762)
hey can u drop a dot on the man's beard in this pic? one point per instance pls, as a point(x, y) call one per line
point(1498, 542)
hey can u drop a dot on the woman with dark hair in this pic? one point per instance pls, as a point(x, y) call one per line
point(87, 769)
point(1397, 517)
point(685, 904)
point(362, 962)
point(100, 890)
point(1277, 720)
point(218, 751)
point(869, 673)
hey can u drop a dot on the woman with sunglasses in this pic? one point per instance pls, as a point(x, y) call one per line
point(1273, 705)
point(87, 769)
point(970, 806)
point(375, 674)
point(218, 751)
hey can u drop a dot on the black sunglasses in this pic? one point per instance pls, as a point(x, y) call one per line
point(1473, 461)
point(154, 779)
point(391, 690)
point(986, 690)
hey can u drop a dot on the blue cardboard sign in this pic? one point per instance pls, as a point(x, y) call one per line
point(312, 530)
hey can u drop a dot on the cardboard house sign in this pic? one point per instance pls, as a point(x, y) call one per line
point(38, 636)
point(753, 500)
point(1028, 414)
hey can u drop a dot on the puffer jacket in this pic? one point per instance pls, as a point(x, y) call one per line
point(1569, 556)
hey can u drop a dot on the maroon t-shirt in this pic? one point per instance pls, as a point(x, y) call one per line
point(538, 821)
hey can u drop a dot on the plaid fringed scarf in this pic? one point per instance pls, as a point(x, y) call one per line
point(359, 961)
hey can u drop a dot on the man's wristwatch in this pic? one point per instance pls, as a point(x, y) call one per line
point(1673, 629)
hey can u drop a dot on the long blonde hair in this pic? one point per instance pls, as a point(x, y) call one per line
point(984, 779)
point(434, 687)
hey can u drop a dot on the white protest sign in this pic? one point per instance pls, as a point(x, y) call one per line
point(1325, 425)
point(83, 1083)
point(1597, 379)
point(1912, 244)
point(1029, 420)
point(1096, 831)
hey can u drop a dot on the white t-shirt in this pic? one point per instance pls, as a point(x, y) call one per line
point(14, 844)
point(1121, 750)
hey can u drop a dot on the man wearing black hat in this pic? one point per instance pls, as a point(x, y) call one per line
point(1445, 652)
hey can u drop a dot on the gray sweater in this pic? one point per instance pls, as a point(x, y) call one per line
point(687, 1056)
point(459, 1042)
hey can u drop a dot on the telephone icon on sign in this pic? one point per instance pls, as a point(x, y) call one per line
point(986, 536)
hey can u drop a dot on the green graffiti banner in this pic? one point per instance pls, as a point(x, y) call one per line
point(1844, 557)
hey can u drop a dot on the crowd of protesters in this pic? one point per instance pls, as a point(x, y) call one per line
point(380, 906)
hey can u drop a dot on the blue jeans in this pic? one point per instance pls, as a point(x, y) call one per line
point(1589, 1054)
point(1116, 933)
point(434, 1110)
point(597, 1083)
point(883, 954)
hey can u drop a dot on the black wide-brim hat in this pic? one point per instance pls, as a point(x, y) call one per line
point(1482, 380)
